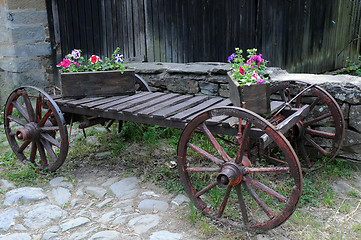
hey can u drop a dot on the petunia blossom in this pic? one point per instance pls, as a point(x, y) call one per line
point(231, 57)
point(255, 75)
point(257, 59)
point(119, 58)
point(260, 81)
point(75, 54)
point(241, 71)
point(94, 59)
point(65, 63)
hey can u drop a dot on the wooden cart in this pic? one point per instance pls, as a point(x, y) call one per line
point(235, 165)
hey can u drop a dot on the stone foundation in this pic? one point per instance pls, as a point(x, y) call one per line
point(211, 79)
point(25, 49)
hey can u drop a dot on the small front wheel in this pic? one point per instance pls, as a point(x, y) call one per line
point(35, 128)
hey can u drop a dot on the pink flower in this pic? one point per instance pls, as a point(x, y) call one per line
point(241, 70)
point(65, 63)
point(255, 75)
point(94, 59)
point(258, 59)
point(260, 81)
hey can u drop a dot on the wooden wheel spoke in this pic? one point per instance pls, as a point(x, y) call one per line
point(17, 120)
point(45, 118)
point(267, 169)
point(50, 139)
point(242, 204)
point(224, 202)
point(29, 107)
point(49, 129)
point(205, 154)
point(314, 103)
point(320, 118)
point(42, 154)
point(215, 143)
point(38, 108)
point(258, 200)
point(23, 146)
point(203, 169)
point(301, 147)
point(274, 159)
point(33, 152)
point(243, 142)
point(319, 133)
point(266, 189)
point(21, 110)
point(315, 145)
point(206, 189)
point(49, 150)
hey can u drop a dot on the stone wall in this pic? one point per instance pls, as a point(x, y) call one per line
point(211, 79)
point(25, 49)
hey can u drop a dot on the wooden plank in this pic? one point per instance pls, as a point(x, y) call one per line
point(130, 22)
point(149, 30)
point(121, 100)
point(83, 100)
point(225, 102)
point(217, 120)
point(166, 112)
point(148, 104)
point(134, 102)
point(62, 101)
point(196, 109)
point(100, 102)
point(164, 104)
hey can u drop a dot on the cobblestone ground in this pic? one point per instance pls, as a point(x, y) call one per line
point(97, 205)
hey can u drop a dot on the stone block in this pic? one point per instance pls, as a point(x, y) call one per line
point(26, 50)
point(28, 4)
point(345, 93)
point(147, 68)
point(19, 65)
point(191, 68)
point(5, 35)
point(28, 34)
point(218, 78)
point(345, 108)
point(28, 17)
point(355, 117)
point(182, 85)
point(209, 88)
point(224, 90)
point(352, 141)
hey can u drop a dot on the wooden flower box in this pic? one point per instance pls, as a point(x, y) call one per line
point(102, 83)
point(256, 96)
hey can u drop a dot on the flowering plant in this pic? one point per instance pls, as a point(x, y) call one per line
point(248, 72)
point(75, 62)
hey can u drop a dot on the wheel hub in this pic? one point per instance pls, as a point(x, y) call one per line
point(29, 132)
point(230, 175)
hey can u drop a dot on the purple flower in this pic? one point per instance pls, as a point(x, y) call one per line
point(231, 57)
point(119, 58)
point(75, 54)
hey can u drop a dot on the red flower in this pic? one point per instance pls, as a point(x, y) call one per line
point(241, 70)
point(94, 59)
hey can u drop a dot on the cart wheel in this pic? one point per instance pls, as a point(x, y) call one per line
point(142, 84)
point(228, 177)
point(321, 130)
point(34, 125)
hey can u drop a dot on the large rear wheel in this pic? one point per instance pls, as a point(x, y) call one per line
point(231, 177)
